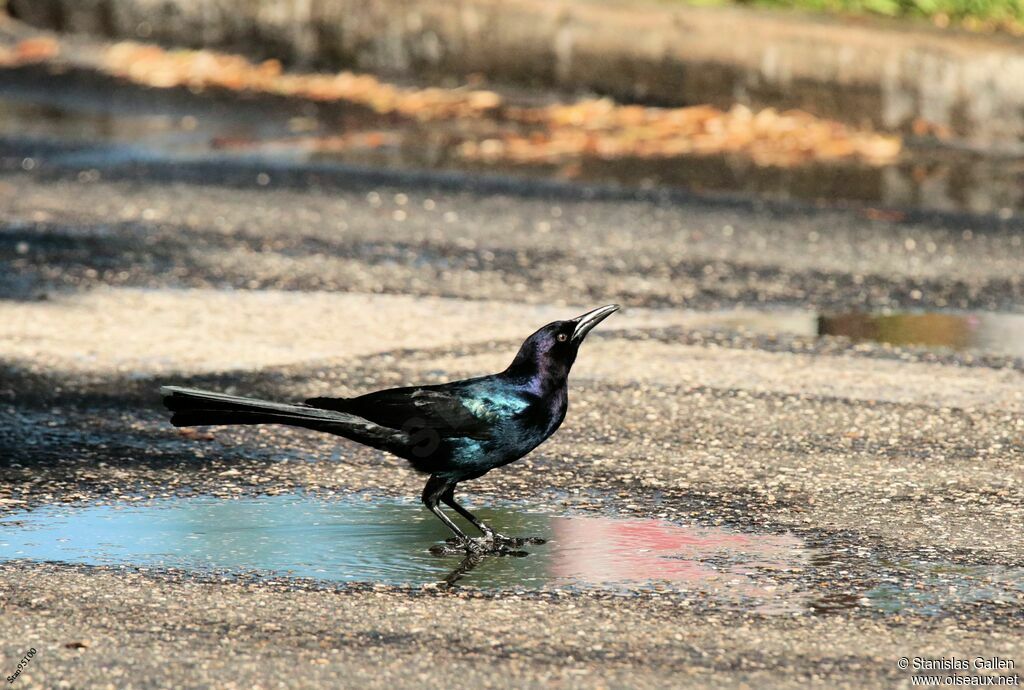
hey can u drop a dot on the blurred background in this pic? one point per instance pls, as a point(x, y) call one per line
point(907, 103)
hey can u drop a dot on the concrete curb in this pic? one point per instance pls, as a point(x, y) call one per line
point(862, 72)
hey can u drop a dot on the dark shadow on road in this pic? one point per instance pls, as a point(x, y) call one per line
point(39, 258)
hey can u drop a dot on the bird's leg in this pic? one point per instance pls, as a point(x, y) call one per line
point(432, 494)
point(490, 535)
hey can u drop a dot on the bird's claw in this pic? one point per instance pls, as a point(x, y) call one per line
point(506, 542)
point(491, 543)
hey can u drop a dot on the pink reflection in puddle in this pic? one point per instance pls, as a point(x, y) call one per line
point(730, 565)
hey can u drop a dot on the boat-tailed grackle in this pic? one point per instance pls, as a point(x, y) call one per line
point(453, 431)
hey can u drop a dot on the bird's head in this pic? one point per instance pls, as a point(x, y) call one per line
point(550, 352)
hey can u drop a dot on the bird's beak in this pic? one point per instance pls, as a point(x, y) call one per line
point(586, 322)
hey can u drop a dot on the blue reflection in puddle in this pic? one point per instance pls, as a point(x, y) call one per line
point(372, 539)
point(362, 538)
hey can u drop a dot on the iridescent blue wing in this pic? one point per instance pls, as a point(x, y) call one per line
point(449, 412)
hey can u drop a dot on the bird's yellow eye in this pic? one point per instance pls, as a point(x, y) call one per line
point(562, 337)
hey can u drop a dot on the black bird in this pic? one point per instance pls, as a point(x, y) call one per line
point(453, 431)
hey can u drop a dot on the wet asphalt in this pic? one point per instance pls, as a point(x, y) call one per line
point(900, 468)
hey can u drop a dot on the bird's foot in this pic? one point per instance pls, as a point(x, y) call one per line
point(507, 542)
point(481, 546)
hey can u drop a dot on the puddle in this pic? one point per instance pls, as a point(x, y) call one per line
point(995, 333)
point(951, 588)
point(369, 539)
point(362, 539)
point(981, 332)
point(79, 106)
point(927, 588)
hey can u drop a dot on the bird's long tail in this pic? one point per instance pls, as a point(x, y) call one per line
point(194, 407)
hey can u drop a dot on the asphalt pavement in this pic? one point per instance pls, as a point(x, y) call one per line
point(899, 468)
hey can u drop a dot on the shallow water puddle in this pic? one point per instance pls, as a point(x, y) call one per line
point(359, 539)
point(984, 332)
point(370, 539)
point(942, 586)
point(80, 106)
point(987, 332)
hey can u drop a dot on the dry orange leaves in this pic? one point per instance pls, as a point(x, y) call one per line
point(556, 133)
point(154, 66)
point(605, 129)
